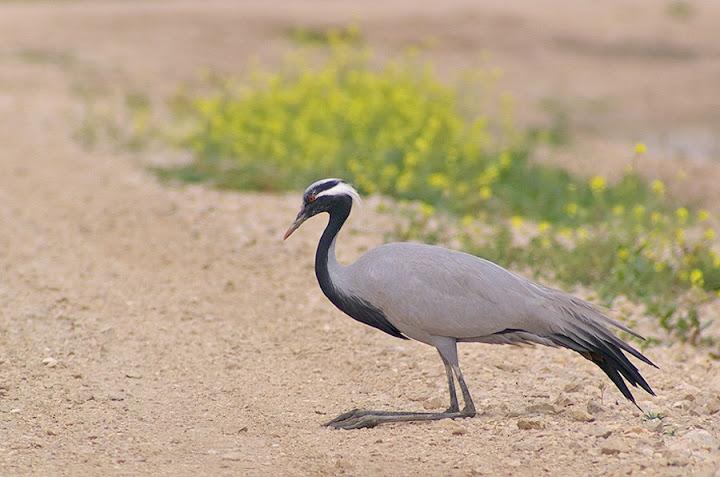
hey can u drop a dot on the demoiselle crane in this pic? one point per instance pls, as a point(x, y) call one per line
point(442, 297)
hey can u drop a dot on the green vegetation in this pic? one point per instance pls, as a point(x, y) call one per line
point(318, 36)
point(399, 131)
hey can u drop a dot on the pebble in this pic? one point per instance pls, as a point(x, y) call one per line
point(232, 456)
point(527, 424)
point(594, 408)
point(116, 397)
point(434, 403)
point(698, 439)
point(612, 446)
point(603, 432)
point(713, 406)
point(455, 428)
point(543, 408)
point(677, 457)
point(50, 362)
point(581, 416)
point(573, 387)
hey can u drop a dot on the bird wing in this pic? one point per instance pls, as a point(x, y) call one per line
point(444, 292)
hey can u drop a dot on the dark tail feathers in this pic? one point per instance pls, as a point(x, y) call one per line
point(607, 353)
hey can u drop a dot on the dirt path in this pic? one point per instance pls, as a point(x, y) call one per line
point(161, 331)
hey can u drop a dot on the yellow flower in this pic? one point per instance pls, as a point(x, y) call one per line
point(516, 221)
point(485, 193)
point(640, 148)
point(489, 175)
point(598, 184)
point(658, 187)
point(582, 233)
point(709, 234)
point(505, 159)
point(404, 181)
point(410, 160)
point(543, 227)
point(623, 253)
point(696, 278)
point(438, 180)
point(421, 144)
point(680, 236)
point(426, 209)
point(682, 214)
point(703, 215)
point(660, 266)
point(467, 220)
point(618, 210)
point(571, 209)
point(639, 210)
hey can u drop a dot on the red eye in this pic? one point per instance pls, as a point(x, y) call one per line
point(311, 198)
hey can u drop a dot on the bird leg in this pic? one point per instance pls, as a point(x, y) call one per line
point(454, 407)
point(469, 409)
point(358, 418)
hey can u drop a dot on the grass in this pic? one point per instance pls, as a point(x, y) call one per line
point(396, 129)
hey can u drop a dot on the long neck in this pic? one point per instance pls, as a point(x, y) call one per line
point(325, 255)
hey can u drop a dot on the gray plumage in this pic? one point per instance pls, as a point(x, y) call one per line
point(440, 297)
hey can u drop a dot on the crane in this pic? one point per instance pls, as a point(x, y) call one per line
point(442, 297)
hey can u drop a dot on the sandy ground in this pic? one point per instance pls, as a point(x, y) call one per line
point(151, 330)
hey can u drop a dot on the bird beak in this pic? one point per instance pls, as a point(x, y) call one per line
point(301, 217)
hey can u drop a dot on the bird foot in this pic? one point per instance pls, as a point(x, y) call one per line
point(359, 418)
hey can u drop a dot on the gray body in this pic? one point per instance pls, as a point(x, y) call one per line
point(428, 292)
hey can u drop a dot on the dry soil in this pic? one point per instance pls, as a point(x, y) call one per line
point(156, 330)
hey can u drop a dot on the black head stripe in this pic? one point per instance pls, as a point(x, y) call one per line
point(321, 187)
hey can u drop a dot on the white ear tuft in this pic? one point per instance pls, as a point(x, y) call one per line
point(343, 188)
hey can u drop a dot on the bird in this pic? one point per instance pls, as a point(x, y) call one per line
point(442, 297)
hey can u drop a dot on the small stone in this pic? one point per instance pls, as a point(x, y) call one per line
point(455, 428)
point(612, 447)
point(713, 406)
point(527, 424)
point(636, 430)
point(15, 411)
point(116, 396)
point(132, 375)
point(581, 416)
point(698, 439)
point(603, 433)
point(232, 456)
point(677, 457)
point(594, 408)
point(543, 408)
point(434, 403)
point(50, 362)
point(573, 387)
point(682, 404)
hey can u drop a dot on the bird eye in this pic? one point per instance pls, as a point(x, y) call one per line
point(311, 198)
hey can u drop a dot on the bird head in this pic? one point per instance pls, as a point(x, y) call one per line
point(321, 196)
